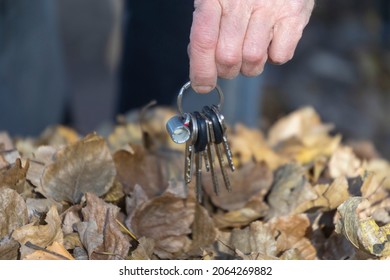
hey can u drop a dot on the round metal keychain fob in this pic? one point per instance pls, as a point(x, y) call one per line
point(178, 126)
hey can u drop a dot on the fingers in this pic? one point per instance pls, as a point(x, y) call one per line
point(233, 26)
point(203, 42)
point(286, 35)
point(288, 31)
point(255, 48)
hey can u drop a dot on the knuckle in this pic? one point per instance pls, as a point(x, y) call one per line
point(228, 59)
point(252, 56)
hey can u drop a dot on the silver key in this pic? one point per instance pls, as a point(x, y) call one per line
point(226, 146)
point(218, 139)
point(211, 154)
point(189, 150)
point(200, 147)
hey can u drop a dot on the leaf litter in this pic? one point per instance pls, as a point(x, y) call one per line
point(298, 192)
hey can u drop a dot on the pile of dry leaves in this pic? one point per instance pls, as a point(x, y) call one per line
point(298, 193)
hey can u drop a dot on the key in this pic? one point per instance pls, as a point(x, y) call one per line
point(189, 150)
point(199, 148)
point(211, 154)
point(218, 139)
point(226, 146)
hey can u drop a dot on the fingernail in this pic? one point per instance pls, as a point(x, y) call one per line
point(203, 89)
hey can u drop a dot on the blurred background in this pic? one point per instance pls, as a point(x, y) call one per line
point(82, 63)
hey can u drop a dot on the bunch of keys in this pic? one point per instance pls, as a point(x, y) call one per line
point(201, 132)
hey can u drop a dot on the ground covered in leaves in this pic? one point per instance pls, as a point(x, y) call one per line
point(298, 193)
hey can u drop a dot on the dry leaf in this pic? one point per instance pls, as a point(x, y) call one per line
point(363, 232)
point(8, 153)
point(252, 179)
point(167, 219)
point(58, 136)
point(38, 207)
point(293, 233)
point(301, 136)
point(85, 166)
point(304, 124)
point(141, 168)
point(13, 211)
point(40, 235)
point(56, 251)
point(256, 208)
point(42, 157)
point(71, 217)
point(9, 248)
point(115, 243)
point(378, 198)
point(289, 190)
point(329, 197)
point(248, 144)
point(256, 238)
point(144, 250)
point(344, 162)
point(204, 232)
point(89, 236)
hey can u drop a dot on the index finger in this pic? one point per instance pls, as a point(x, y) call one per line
point(203, 43)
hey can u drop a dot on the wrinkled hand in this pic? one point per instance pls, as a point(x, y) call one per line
point(233, 36)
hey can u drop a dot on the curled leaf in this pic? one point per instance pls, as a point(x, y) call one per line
point(363, 232)
point(40, 235)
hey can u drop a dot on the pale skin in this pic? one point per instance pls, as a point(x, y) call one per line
point(229, 37)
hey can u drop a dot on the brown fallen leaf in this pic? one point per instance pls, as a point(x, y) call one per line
point(256, 208)
point(42, 157)
point(38, 207)
point(257, 238)
point(304, 124)
point(363, 232)
point(14, 176)
point(167, 219)
point(289, 190)
point(71, 217)
point(8, 152)
point(204, 232)
point(89, 236)
point(329, 197)
point(251, 179)
point(141, 167)
point(377, 204)
point(58, 136)
point(100, 221)
point(9, 248)
point(302, 136)
point(294, 233)
point(144, 250)
point(344, 162)
point(56, 251)
point(40, 235)
point(85, 166)
point(248, 144)
point(13, 211)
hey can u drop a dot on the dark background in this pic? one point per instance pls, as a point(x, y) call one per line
point(82, 63)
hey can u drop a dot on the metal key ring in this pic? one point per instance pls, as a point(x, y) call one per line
point(187, 86)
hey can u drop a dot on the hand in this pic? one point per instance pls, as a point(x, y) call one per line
point(233, 36)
